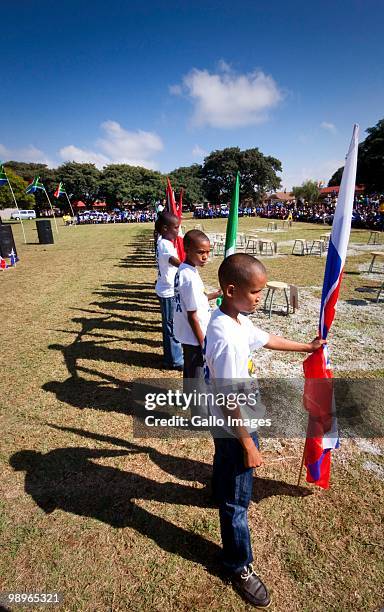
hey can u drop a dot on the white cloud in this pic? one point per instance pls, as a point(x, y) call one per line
point(26, 154)
point(229, 100)
point(197, 151)
point(72, 153)
point(329, 127)
point(118, 146)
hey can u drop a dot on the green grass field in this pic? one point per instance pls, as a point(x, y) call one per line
point(121, 523)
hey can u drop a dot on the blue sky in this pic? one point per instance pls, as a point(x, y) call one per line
point(162, 83)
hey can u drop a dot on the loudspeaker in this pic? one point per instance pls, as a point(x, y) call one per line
point(7, 242)
point(44, 231)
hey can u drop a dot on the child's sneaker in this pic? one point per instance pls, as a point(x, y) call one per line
point(251, 587)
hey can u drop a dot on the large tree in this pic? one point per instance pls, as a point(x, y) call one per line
point(257, 174)
point(81, 181)
point(188, 178)
point(123, 183)
point(370, 161)
point(19, 186)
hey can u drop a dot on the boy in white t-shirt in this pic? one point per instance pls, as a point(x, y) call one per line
point(230, 339)
point(192, 311)
point(167, 226)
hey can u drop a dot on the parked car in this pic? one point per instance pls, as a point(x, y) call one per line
point(24, 214)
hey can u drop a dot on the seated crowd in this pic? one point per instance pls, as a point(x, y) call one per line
point(124, 216)
point(368, 211)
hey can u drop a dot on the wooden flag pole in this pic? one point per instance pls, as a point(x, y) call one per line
point(302, 464)
point(53, 212)
point(69, 202)
point(18, 210)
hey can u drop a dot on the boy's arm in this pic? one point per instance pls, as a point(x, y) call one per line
point(195, 325)
point(278, 343)
point(225, 370)
point(214, 294)
point(252, 455)
point(174, 261)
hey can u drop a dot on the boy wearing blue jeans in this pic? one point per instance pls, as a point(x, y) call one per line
point(167, 225)
point(230, 339)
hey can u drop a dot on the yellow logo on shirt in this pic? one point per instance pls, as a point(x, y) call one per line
point(251, 367)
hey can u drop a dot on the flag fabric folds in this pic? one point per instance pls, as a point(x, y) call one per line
point(322, 434)
point(177, 211)
point(3, 176)
point(3, 263)
point(233, 220)
point(59, 190)
point(34, 185)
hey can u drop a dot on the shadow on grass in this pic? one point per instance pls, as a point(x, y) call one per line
point(190, 469)
point(131, 307)
point(68, 479)
point(367, 300)
point(91, 343)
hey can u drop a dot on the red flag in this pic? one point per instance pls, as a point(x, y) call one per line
point(177, 211)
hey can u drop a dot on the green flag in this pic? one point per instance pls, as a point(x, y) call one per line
point(232, 223)
point(233, 220)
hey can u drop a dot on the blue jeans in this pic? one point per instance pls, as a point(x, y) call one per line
point(232, 488)
point(173, 352)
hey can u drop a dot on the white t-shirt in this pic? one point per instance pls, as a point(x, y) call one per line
point(229, 345)
point(189, 296)
point(166, 271)
point(227, 354)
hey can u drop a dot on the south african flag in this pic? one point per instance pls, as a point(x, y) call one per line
point(34, 185)
point(3, 176)
point(60, 190)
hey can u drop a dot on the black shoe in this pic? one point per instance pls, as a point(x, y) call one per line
point(178, 368)
point(251, 587)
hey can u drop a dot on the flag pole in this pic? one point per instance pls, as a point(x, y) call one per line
point(302, 465)
point(69, 202)
point(53, 212)
point(18, 210)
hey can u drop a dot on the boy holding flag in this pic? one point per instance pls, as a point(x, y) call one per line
point(230, 339)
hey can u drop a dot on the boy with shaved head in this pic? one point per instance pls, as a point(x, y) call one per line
point(230, 339)
point(192, 311)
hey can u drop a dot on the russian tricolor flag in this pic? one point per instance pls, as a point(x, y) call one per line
point(322, 434)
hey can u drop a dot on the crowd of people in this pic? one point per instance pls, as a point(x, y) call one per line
point(123, 216)
point(368, 211)
point(222, 211)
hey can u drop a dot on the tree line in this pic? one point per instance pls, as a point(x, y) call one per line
point(118, 184)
